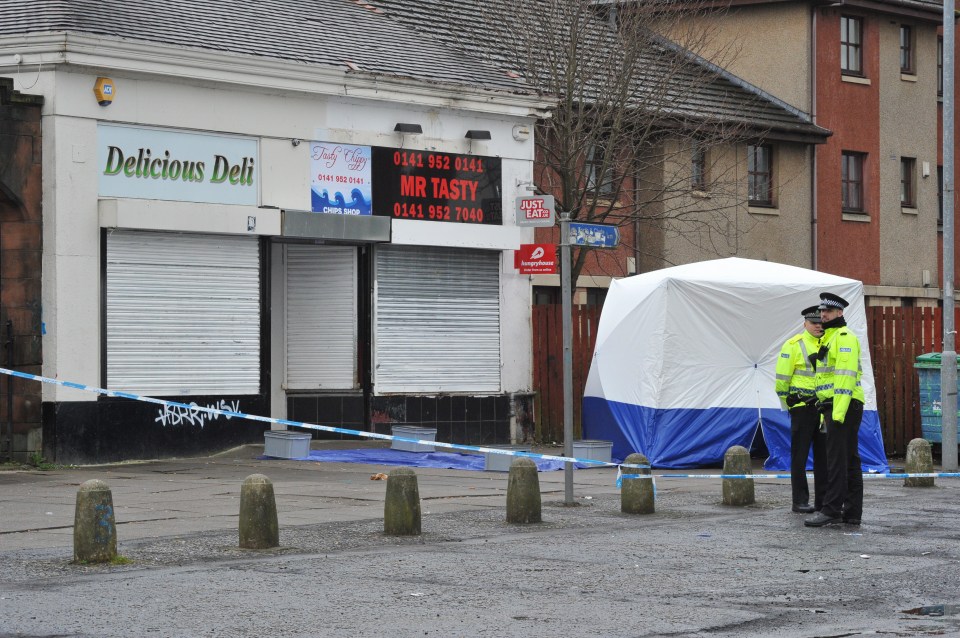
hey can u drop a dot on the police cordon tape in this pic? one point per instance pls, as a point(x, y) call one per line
point(452, 446)
point(309, 426)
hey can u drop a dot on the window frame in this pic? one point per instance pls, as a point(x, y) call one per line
point(848, 46)
point(940, 195)
point(846, 182)
point(907, 50)
point(940, 66)
point(908, 182)
point(698, 167)
point(596, 156)
point(757, 178)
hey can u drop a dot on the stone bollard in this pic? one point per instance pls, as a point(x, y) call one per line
point(737, 491)
point(919, 461)
point(259, 528)
point(523, 492)
point(401, 507)
point(94, 528)
point(636, 494)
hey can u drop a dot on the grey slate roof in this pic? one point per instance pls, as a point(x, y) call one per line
point(725, 98)
point(322, 32)
point(427, 40)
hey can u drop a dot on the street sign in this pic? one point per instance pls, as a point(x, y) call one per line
point(594, 235)
point(535, 210)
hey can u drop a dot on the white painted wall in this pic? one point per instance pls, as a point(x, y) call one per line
point(72, 211)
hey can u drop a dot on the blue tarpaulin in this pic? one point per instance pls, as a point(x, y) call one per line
point(685, 361)
point(440, 460)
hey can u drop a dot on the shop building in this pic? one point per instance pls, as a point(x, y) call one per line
point(301, 231)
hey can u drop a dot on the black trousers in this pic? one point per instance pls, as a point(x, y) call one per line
point(844, 496)
point(804, 432)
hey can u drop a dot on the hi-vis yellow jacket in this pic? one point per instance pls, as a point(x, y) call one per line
point(795, 374)
point(838, 375)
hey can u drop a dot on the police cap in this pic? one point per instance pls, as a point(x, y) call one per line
point(829, 300)
point(812, 314)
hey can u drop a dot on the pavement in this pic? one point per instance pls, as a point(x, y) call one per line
point(155, 499)
point(693, 568)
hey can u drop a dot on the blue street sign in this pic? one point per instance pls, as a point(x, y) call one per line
point(594, 235)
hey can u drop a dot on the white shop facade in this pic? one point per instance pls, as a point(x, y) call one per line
point(284, 253)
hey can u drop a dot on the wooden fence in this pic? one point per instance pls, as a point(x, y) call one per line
point(548, 366)
point(896, 336)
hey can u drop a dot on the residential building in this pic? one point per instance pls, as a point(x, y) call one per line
point(871, 73)
point(747, 192)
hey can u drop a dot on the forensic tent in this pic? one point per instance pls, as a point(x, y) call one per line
point(685, 357)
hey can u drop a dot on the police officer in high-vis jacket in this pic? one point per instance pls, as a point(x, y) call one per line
point(796, 387)
point(840, 401)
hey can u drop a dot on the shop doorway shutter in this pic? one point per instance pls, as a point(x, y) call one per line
point(183, 313)
point(437, 317)
point(321, 317)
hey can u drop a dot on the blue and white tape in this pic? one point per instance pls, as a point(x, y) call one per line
point(309, 426)
point(451, 446)
point(866, 475)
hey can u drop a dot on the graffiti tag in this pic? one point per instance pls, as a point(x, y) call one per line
point(195, 414)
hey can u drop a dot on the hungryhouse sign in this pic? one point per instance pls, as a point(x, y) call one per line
point(536, 259)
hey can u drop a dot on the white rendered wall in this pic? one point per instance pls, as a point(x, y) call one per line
point(71, 259)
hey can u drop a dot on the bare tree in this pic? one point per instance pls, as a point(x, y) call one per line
point(644, 126)
point(647, 126)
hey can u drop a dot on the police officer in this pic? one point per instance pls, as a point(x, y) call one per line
point(796, 387)
point(840, 401)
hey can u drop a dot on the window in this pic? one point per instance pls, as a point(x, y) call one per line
point(940, 195)
point(546, 295)
point(940, 66)
point(906, 49)
point(760, 175)
point(596, 296)
point(851, 45)
point(908, 182)
point(851, 181)
point(599, 178)
point(698, 167)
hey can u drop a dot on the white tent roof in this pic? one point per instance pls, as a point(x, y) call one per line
point(707, 334)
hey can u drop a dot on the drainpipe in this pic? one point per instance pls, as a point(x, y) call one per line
point(813, 147)
point(9, 345)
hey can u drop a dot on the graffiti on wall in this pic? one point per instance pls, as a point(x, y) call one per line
point(195, 415)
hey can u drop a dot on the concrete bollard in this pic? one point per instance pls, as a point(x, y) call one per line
point(401, 507)
point(94, 527)
point(636, 495)
point(737, 491)
point(259, 528)
point(919, 461)
point(523, 492)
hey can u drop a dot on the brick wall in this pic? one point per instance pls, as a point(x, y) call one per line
point(20, 258)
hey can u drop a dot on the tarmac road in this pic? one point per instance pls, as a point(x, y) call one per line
point(695, 568)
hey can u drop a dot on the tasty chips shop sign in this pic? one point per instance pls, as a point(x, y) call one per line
point(145, 163)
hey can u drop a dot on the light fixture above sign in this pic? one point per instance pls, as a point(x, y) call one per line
point(478, 135)
point(409, 129)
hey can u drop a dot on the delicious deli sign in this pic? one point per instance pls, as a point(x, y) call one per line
point(405, 184)
point(149, 163)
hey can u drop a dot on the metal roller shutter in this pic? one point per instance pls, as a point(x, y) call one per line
point(321, 317)
point(183, 313)
point(437, 320)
